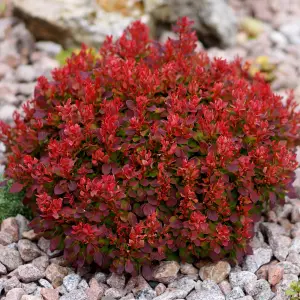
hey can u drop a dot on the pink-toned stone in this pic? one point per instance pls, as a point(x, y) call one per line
point(225, 287)
point(116, 281)
point(188, 269)
point(11, 227)
point(262, 272)
point(275, 274)
point(30, 235)
point(55, 274)
point(5, 238)
point(49, 294)
point(28, 250)
point(160, 289)
point(166, 271)
point(59, 260)
point(41, 262)
point(95, 291)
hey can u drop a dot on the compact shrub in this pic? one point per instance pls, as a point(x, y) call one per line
point(151, 151)
point(11, 204)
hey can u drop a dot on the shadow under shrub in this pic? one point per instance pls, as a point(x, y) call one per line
point(149, 152)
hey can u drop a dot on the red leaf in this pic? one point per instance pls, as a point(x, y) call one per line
point(16, 187)
point(148, 209)
point(147, 272)
point(106, 168)
point(98, 257)
point(58, 190)
point(54, 243)
point(129, 266)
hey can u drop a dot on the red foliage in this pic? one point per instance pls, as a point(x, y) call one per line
point(150, 151)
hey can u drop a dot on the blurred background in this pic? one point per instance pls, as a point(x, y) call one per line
point(37, 36)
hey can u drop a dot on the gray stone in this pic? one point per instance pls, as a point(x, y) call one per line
point(28, 250)
point(272, 229)
point(75, 295)
point(29, 273)
point(15, 294)
point(289, 268)
point(26, 89)
point(71, 281)
point(83, 284)
point(45, 283)
point(291, 31)
point(185, 284)
point(5, 238)
point(261, 256)
point(41, 262)
point(295, 245)
point(239, 279)
point(10, 258)
point(25, 73)
point(49, 47)
point(71, 22)
point(171, 294)
point(22, 222)
point(259, 289)
point(29, 288)
point(6, 112)
point(3, 270)
point(11, 283)
point(206, 290)
point(278, 39)
point(115, 293)
point(100, 277)
point(44, 245)
point(280, 245)
point(116, 281)
point(236, 293)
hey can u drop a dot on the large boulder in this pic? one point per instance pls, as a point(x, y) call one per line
point(215, 21)
point(72, 22)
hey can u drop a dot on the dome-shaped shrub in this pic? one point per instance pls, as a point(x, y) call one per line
point(146, 152)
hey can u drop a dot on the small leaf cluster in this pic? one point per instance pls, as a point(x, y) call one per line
point(11, 204)
point(150, 151)
point(294, 291)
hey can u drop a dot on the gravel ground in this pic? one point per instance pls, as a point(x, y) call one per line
point(30, 271)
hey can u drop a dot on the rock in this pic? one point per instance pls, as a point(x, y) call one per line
point(280, 245)
point(160, 289)
point(216, 271)
point(260, 257)
point(41, 262)
point(22, 224)
point(10, 258)
point(281, 73)
point(6, 112)
point(3, 270)
point(75, 295)
point(100, 277)
point(10, 226)
point(15, 294)
point(11, 283)
point(30, 297)
point(188, 269)
point(26, 89)
point(138, 285)
point(289, 268)
point(44, 245)
point(45, 66)
point(83, 284)
point(206, 290)
point(295, 217)
point(236, 293)
point(25, 73)
point(262, 272)
point(70, 22)
point(29, 288)
point(184, 284)
point(275, 274)
point(291, 31)
point(51, 48)
point(116, 281)
point(241, 278)
point(28, 250)
point(55, 274)
point(171, 294)
point(272, 229)
point(225, 287)
point(252, 26)
point(30, 235)
point(259, 289)
point(205, 13)
point(45, 283)
point(71, 281)
point(50, 294)
point(60, 260)
point(29, 273)
point(113, 293)
point(95, 291)
point(278, 39)
point(294, 258)
point(166, 271)
point(128, 297)
point(5, 238)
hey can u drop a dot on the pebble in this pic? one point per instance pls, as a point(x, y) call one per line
point(25, 73)
point(188, 269)
point(71, 282)
point(15, 294)
point(10, 258)
point(29, 273)
point(75, 295)
point(217, 271)
point(166, 271)
point(235, 293)
point(28, 250)
point(116, 281)
point(260, 257)
point(275, 274)
point(51, 48)
point(55, 274)
point(49, 294)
